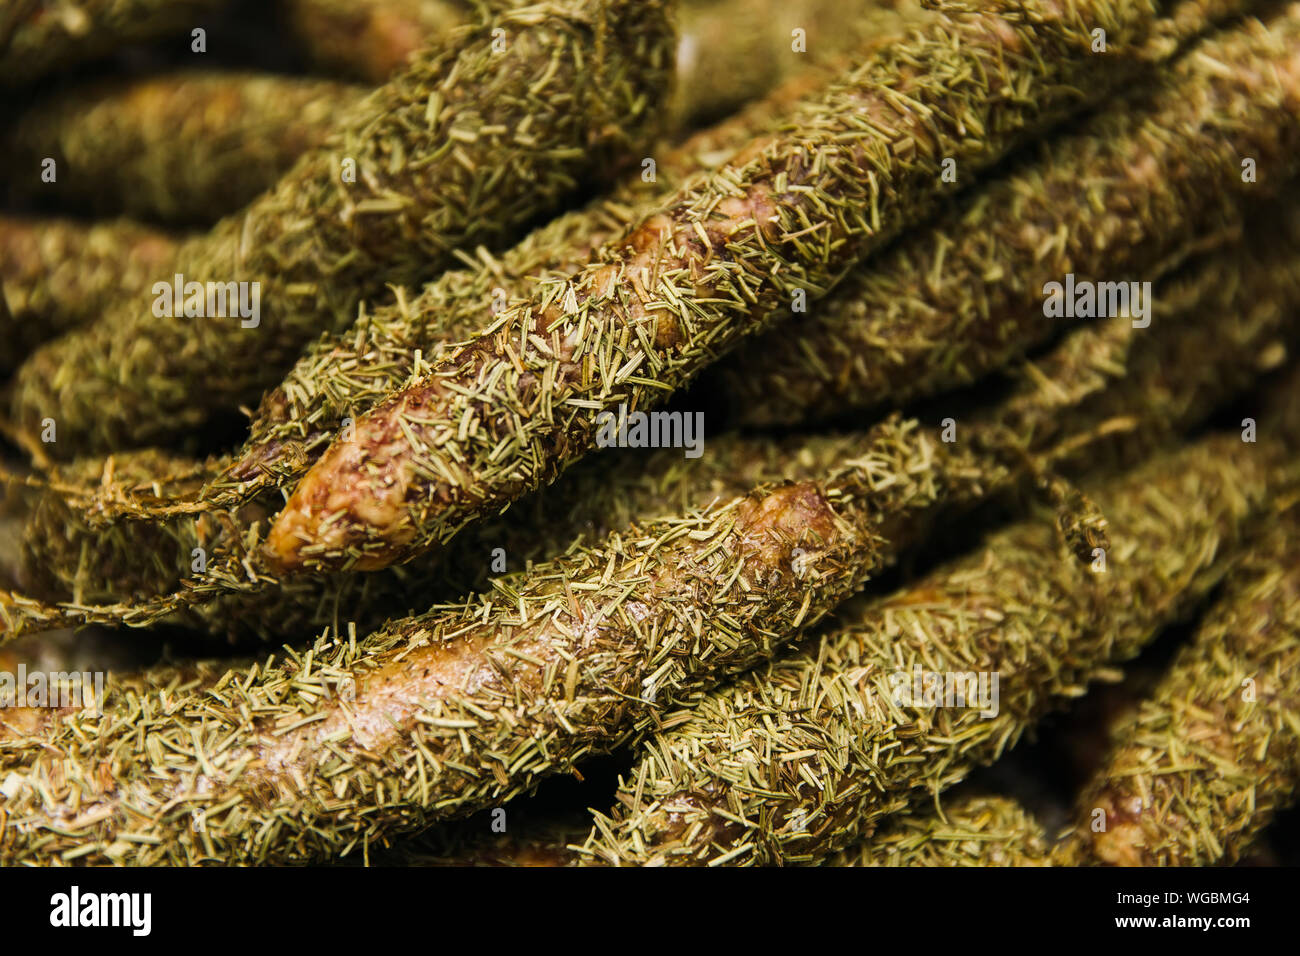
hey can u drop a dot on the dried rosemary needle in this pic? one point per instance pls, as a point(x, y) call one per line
point(508, 411)
point(1208, 760)
point(57, 274)
point(1158, 173)
point(40, 37)
point(472, 140)
point(178, 148)
point(904, 695)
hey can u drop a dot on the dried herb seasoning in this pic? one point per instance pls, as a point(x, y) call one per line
point(700, 612)
point(570, 651)
point(464, 146)
point(508, 411)
point(966, 831)
point(128, 572)
point(1145, 181)
point(1106, 395)
point(333, 379)
point(341, 375)
point(797, 759)
point(57, 274)
point(466, 706)
point(1208, 760)
point(40, 37)
point(62, 560)
point(179, 148)
point(1219, 323)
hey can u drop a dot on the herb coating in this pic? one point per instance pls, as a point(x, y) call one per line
point(1210, 758)
point(508, 411)
point(1149, 179)
point(58, 274)
point(799, 758)
point(465, 145)
point(180, 148)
